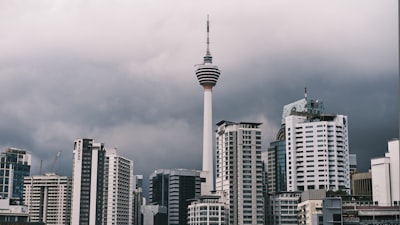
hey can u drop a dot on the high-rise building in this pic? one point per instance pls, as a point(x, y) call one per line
point(385, 173)
point(276, 166)
point(15, 164)
point(48, 198)
point(173, 188)
point(87, 182)
point(102, 184)
point(208, 75)
point(118, 189)
point(317, 149)
point(239, 170)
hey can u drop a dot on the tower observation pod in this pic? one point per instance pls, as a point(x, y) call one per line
point(208, 75)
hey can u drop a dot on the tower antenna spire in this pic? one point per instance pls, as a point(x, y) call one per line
point(208, 57)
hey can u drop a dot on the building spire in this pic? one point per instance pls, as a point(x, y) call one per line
point(208, 57)
point(305, 93)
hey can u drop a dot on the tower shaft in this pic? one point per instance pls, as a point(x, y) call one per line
point(207, 142)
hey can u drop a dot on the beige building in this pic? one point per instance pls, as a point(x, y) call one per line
point(361, 184)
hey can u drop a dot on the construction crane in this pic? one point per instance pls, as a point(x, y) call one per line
point(53, 165)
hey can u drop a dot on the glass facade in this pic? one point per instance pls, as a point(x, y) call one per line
point(15, 164)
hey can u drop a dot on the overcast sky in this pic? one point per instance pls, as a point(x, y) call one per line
point(122, 72)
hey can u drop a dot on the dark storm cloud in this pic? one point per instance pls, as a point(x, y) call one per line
point(123, 73)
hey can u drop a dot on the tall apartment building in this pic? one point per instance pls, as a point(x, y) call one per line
point(317, 149)
point(173, 188)
point(118, 189)
point(15, 164)
point(48, 198)
point(239, 170)
point(385, 173)
point(87, 185)
point(102, 185)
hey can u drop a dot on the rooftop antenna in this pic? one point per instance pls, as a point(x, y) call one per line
point(208, 57)
point(305, 93)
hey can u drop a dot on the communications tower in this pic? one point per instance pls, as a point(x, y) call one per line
point(207, 74)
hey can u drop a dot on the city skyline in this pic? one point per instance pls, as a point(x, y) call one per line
point(123, 74)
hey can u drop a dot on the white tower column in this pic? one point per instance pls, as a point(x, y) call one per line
point(208, 167)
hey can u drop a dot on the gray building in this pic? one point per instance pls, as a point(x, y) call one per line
point(172, 188)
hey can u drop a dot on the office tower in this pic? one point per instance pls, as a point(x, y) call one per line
point(118, 189)
point(385, 173)
point(172, 188)
point(276, 166)
point(239, 170)
point(207, 74)
point(102, 185)
point(15, 165)
point(317, 149)
point(208, 210)
point(48, 198)
point(87, 182)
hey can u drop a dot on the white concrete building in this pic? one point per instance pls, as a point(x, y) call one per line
point(239, 170)
point(13, 213)
point(284, 208)
point(208, 75)
point(209, 210)
point(118, 189)
point(87, 182)
point(317, 152)
point(385, 174)
point(103, 185)
point(48, 198)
